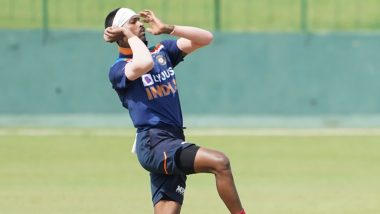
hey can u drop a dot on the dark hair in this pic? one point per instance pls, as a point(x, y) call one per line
point(110, 17)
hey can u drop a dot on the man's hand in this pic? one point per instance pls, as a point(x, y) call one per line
point(157, 27)
point(113, 34)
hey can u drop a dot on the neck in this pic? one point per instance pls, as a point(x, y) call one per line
point(123, 44)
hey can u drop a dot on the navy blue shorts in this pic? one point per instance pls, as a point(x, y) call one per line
point(157, 149)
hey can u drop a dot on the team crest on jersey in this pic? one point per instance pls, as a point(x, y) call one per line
point(161, 60)
point(147, 80)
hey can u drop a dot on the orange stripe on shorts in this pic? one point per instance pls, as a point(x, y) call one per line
point(165, 168)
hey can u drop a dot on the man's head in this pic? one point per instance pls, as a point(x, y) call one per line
point(125, 17)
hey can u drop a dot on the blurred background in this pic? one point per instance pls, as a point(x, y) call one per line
point(273, 63)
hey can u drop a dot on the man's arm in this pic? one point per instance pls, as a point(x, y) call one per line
point(191, 38)
point(142, 61)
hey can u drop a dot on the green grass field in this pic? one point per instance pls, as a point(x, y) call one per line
point(237, 15)
point(45, 171)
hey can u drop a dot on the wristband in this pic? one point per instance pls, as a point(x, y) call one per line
point(171, 33)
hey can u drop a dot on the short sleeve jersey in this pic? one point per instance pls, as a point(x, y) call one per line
point(152, 100)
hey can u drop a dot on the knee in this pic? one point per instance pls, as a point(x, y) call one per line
point(222, 163)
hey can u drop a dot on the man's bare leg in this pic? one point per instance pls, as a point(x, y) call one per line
point(167, 207)
point(211, 161)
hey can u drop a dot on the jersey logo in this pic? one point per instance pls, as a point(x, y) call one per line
point(180, 190)
point(161, 60)
point(147, 79)
point(161, 90)
point(159, 84)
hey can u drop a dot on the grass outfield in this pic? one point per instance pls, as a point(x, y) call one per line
point(92, 171)
point(237, 15)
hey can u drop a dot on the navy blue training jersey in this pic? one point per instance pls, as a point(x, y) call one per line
point(152, 99)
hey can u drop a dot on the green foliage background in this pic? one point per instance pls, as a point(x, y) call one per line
point(237, 15)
